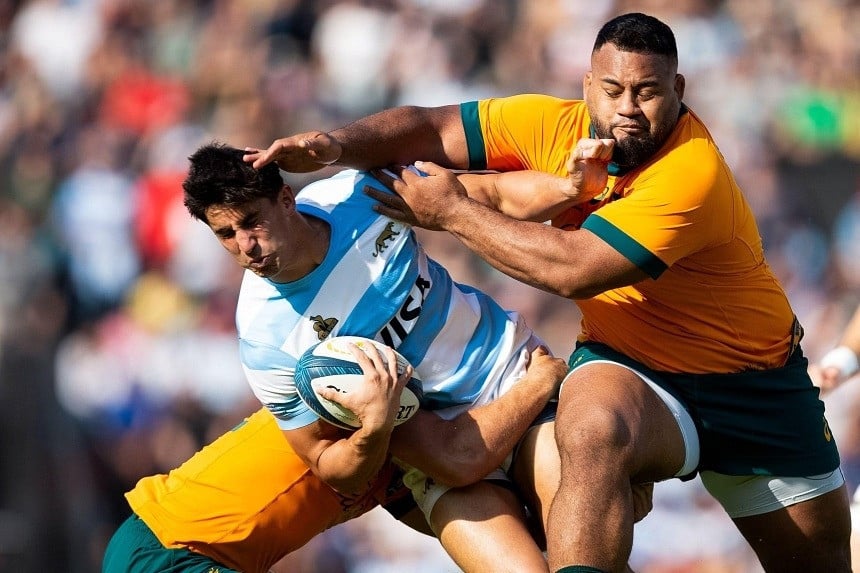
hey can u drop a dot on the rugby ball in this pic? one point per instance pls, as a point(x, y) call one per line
point(330, 364)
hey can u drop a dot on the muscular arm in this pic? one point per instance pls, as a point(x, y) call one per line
point(457, 452)
point(572, 264)
point(463, 450)
point(399, 135)
point(523, 195)
point(349, 461)
point(396, 136)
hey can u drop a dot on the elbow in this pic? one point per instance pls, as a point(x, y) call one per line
point(461, 473)
point(571, 290)
point(574, 283)
point(466, 464)
point(581, 293)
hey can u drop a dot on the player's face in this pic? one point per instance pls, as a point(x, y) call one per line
point(263, 236)
point(634, 99)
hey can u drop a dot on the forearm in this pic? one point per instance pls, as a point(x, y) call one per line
point(403, 135)
point(523, 195)
point(463, 450)
point(534, 253)
point(350, 465)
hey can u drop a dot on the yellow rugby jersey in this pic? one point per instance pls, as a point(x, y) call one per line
point(712, 304)
point(246, 500)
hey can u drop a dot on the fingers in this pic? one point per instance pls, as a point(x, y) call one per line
point(301, 153)
point(391, 361)
point(259, 158)
point(368, 358)
point(376, 367)
point(591, 150)
point(391, 200)
point(540, 351)
point(429, 168)
point(388, 176)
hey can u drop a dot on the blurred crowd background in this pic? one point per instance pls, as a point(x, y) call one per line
point(117, 345)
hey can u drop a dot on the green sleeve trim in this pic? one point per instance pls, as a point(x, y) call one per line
point(474, 137)
point(626, 245)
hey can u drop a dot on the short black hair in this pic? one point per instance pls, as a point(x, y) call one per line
point(219, 176)
point(640, 33)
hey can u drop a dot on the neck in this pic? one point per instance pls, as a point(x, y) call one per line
point(314, 247)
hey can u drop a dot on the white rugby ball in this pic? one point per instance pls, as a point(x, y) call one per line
point(330, 364)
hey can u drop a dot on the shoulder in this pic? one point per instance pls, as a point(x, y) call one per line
point(691, 161)
point(530, 104)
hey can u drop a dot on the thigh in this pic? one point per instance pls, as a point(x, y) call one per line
point(536, 472)
point(812, 535)
point(609, 414)
point(483, 528)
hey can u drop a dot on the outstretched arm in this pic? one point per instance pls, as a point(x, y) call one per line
point(395, 136)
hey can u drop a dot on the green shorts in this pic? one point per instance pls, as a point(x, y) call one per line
point(135, 549)
point(768, 422)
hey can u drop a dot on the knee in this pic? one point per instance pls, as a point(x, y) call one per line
point(595, 435)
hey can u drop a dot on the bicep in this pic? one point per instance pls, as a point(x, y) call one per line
point(580, 264)
point(604, 265)
point(426, 134)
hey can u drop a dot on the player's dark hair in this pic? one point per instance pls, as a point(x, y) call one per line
point(219, 176)
point(640, 33)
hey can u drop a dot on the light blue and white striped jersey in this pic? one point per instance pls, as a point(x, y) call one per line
point(376, 281)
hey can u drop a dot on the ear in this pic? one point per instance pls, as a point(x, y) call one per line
point(287, 197)
point(586, 82)
point(680, 84)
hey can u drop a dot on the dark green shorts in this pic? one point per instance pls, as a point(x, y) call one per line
point(135, 549)
point(767, 422)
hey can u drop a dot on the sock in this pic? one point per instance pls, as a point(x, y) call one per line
point(580, 569)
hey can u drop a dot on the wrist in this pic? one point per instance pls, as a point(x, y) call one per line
point(371, 437)
point(843, 359)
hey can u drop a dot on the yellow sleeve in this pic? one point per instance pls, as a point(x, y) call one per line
point(528, 131)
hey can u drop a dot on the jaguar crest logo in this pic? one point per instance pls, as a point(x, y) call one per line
point(382, 240)
point(323, 326)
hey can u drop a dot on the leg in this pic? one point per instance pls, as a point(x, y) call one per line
point(536, 471)
point(482, 527)
point(812, 535)
point(612, 430)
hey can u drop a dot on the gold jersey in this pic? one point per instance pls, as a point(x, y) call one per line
point(712, 304)
point(246, 500)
